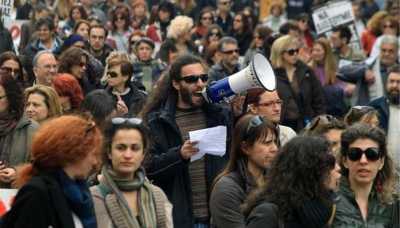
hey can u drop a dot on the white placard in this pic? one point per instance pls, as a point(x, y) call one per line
point(6, 199)
point(6, 7)
point(331, 15)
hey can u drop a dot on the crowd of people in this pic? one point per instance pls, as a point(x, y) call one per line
point(98, 100)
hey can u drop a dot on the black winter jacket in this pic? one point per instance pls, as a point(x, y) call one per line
point(168, 169)
point(310, 100)
point(40, 203)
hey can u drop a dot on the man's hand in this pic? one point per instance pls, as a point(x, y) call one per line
point(188, 149)
point(349, 89)
point(369, 77)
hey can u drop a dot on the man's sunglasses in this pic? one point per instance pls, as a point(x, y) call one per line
point(292, 51)
point(355, 153)
point(194, 78)
point(230, 52)
point(120, 120)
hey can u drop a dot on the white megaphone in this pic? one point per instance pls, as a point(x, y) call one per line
point(258, 73)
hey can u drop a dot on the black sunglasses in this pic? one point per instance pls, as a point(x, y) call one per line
point(194, 78)
point(230, 52)
point(253, 123)
point(292, 51)
point(112, 74)
point(355, 153)
point(120, 120)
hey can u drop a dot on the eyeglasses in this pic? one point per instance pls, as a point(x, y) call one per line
point(112, 74)
point(237, 20)
point(82, 64)
point(230, 52)
point(270, 103)
point(253, 123)
point(120, 120)
point(10, 70)
point(119, 18)
point(292, 51)
point(4, 96)
point(194, 78)
point(355, 153)
point(225, 3)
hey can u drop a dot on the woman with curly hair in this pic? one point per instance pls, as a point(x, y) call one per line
point(368, 185)
point(69, 91)
point(42, 103)
point(54, 191)
point(254, 146)
point(16, 131)
point(299, 187)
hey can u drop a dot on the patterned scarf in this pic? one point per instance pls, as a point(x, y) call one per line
point(117, 205)
point(79, 198)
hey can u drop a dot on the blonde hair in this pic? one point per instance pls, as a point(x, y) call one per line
point(113, 59)
point(374, 24)
point(278, 47)
point(51, 99)
point(329, 61)
point(179, 25)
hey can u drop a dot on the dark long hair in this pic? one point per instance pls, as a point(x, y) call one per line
point(164, 85)
point(15, 95)
point(298, 174)
point(9, 55)
point(385, 179)
point(249, 137)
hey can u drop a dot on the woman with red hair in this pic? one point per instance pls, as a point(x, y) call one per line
point(69, 91)
point(54, 191)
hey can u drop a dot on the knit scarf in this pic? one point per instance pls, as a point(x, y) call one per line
point(8, 123)
point(117, 205)
point(79, 198)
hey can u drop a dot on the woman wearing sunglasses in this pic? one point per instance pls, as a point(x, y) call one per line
point(10, 64)
point(297, 86)
point(118, 73)
point(254, 147)
point(125, 197)
point(368, 185)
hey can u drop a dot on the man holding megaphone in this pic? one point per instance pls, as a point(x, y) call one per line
point(177, 107)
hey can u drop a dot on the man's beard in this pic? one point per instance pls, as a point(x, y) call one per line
point(187, 97)
point(394, 97)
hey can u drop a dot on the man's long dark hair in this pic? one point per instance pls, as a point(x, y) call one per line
point(164, 88)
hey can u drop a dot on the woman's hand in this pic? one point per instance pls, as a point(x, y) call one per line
point(7, 175)
point(122, 109)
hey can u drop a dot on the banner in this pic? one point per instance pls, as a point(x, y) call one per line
point(332, 14)
point(6, 7)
